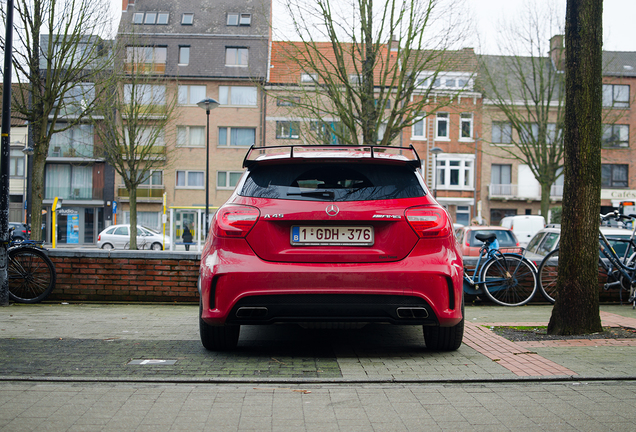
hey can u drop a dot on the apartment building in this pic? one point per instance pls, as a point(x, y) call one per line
point(76, 172)
point(508, 185)
point(215, 50)
point(445, 135)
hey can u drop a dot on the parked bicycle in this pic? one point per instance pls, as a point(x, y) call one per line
point(508, 279)
point(30, 271)
point(614, 271)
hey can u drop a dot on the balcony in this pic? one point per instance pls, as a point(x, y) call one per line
point(145, 193)
point(514, 192)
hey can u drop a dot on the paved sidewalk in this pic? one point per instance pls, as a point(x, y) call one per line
point(161, 342)
point(68, 367)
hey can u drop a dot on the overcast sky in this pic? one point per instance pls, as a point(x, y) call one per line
point(618, 21)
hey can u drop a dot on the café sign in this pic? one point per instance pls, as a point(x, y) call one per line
point(618, 194)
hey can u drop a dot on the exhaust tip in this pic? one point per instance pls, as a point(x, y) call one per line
point(251, 312)
point(411, 312)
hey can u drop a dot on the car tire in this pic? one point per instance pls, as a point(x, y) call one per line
point(156, 246)
point(218, 338)
point(107, 246)
point(444, 338)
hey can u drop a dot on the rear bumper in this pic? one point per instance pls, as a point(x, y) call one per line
point(240, 288)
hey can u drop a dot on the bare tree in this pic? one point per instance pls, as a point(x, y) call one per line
point(370, 67)
point(527, 87)
point(58, 56)
point(132, 121)
point(576, 310)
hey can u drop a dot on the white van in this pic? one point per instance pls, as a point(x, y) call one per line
point(524, 226)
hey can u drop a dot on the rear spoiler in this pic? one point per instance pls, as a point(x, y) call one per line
point(302, 151)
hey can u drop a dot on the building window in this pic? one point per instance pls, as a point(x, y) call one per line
point(288, 101)
point(462, 215)
point(236, 57)
point(614, 176)
point(529, 134)
point(235, 19)
point(154, 178)
point(145, 94)
point(16, 163)
point(307, 78)
point(615, 136)
point(138, 18)
point(419, 129)
point(187, 19)
point(287, 130)
point(615, 96)
point(455, 171)
point(325, 133)
point(77, 99)
point(240, 137)
point(190, 136)
point(77, 141)
point(466, 126)
point(501, 133)
point(68, 181)
point(145, 219)
point(162, 18)
point(191, 94)
point(501, 180)
point(227, 179)
point(149, 139)
point(151, 18)
point(441, 126)
point(146, 59)
point(190, 179)
point(184, 55)
point(238, 95)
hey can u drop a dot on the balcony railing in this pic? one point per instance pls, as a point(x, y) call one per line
point(145, 193)
point(514, 192)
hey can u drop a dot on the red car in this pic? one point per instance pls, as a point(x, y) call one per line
point(338, 235)
point(470, 245)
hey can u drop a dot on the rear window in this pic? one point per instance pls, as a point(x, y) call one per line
point(504, 238)
point(332, 182)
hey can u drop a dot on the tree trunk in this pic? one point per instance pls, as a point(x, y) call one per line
point(545, 200)
point(133, 217)
point(37, 183)
point(576, 310)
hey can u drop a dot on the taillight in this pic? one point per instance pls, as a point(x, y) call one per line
point(99, 237)
point(428, 221)
point(235, 221)
point(468, 244)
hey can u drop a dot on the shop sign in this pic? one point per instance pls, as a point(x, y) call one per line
point(618, 194)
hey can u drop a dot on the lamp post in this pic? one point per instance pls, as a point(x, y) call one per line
point(435, 151)
point(207, 104)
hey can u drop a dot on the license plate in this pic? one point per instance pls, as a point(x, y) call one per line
point(332, 236)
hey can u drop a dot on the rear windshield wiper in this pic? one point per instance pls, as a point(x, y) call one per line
point(314, 194)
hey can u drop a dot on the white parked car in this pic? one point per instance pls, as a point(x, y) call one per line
point(118, 237)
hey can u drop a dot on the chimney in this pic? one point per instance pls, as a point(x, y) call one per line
point(125, 3)
point(557, 52)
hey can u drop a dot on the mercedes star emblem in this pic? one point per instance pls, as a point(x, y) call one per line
point(332, 210)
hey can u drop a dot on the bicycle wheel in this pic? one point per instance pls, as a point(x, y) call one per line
point(548, 272)
point(509, 280)
point(31, 275)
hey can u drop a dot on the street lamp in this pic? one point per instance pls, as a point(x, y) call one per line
point(435, 151)
point(207, 104)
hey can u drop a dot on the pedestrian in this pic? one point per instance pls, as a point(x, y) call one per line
point(186, 236)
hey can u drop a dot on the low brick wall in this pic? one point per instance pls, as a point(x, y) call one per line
point(146, 276)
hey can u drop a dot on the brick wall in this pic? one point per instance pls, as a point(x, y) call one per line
point(145, 276)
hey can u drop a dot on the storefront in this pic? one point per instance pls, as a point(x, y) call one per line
point(75, 225)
